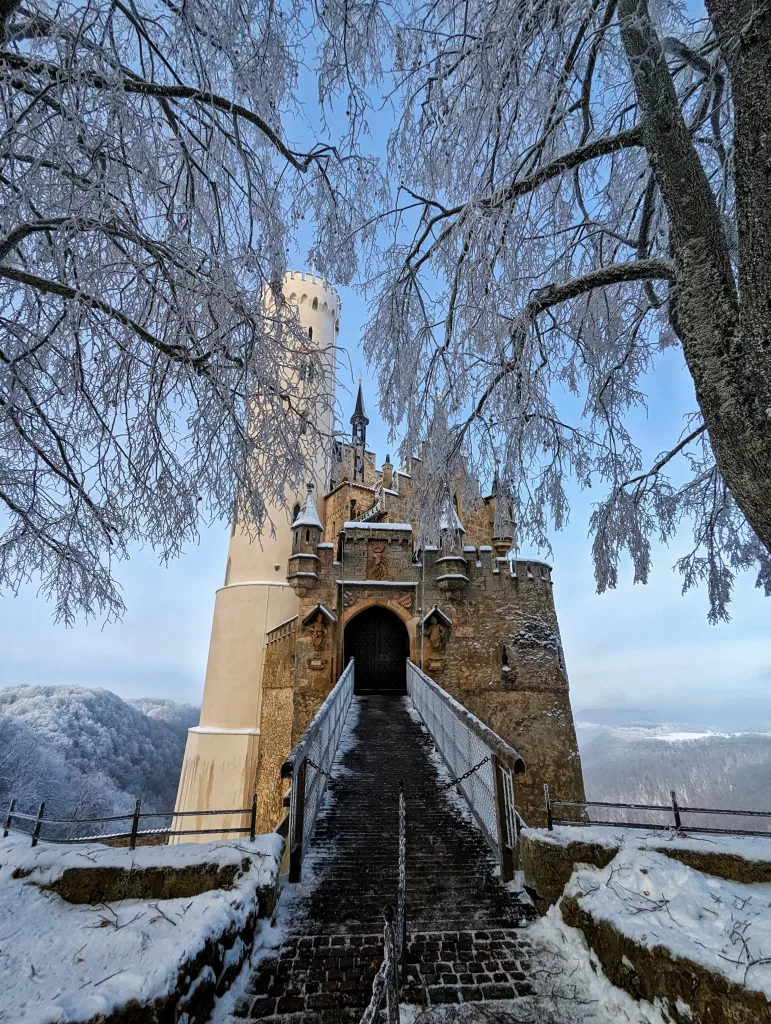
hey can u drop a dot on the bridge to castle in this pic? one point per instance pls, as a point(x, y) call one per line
point(465, 930)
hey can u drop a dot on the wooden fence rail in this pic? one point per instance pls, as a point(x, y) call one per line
point(674, 808)
point(39, 821)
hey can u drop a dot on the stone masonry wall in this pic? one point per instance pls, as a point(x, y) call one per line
point(276, 724)
point(523, 697)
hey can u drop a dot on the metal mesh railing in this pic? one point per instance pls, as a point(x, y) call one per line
point(483, 763)
point(310, 764)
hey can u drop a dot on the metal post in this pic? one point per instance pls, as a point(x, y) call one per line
point(392, 977)
point(402, 893)
point(505, 853)
point(135, 826)
point(298, 824)
point(38, 823)
point(7, 826)
point(547, 798)
point(675, 809)
point(253, 821)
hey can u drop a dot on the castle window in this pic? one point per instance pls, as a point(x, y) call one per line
point(504, 657)
point(295, 540)
point(296, 511)
point(353, 508)
point(303, 423)
point(310, 334)
point(316, 303)
point(340, 546)
point(307, 535)
point(227, 573)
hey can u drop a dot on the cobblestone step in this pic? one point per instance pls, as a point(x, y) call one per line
point(467, 939)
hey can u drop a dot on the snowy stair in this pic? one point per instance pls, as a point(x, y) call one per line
point(466, 931)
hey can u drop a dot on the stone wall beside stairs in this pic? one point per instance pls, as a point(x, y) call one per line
point(575, 868)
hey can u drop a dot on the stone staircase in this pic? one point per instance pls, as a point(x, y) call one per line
point(466, 931)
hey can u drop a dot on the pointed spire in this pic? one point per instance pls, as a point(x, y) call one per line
point(308, 515)
point(359, 423)
point(359, 416)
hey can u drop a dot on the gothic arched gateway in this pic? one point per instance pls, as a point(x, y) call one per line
point(378, 640)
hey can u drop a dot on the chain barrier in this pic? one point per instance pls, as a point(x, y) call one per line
point(420, 794)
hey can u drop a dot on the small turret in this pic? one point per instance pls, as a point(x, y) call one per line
point(451, 564)
point(388, 474)
point(503, 525)
point(307, 528)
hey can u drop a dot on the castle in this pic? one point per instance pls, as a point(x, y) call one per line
point(342, 578)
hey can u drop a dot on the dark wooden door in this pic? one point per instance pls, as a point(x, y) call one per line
point(378, 640)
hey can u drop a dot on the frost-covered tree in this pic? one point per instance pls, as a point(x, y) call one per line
point(582, 184)
point(148, 195)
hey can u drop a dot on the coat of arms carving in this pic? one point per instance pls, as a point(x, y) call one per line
point(377, 560)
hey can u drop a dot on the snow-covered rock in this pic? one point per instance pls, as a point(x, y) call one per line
point(62, 963)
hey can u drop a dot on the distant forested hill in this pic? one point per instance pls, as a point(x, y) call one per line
point(86, 752)
point(635, 765)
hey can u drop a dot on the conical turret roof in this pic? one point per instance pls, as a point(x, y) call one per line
point(308, 515)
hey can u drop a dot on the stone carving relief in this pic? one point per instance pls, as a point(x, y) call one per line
point(349, 598)
point(405, 600)
point(434, 633)
point(318, 632)
point(377, 560)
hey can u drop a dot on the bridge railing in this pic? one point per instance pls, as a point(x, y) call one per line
point(310, 764)
point(483, 763)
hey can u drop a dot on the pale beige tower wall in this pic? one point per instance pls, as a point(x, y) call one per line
point(220, 766)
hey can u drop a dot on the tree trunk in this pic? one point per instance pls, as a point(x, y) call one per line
point(726, 346)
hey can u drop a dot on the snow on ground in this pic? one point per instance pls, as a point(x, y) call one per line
point(656, 901)
point(571, 983)
point(61, 962)
point(750, 848)
point(267, 942)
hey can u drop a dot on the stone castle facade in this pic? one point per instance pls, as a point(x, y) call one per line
point(346, 578)
point(480, 624)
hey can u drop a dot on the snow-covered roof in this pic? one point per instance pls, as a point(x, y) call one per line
point(315, 611)
point(436, 610)
point(308, 515)
point(451, 522)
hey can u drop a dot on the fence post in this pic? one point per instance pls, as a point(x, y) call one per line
point(135, 826)
point(298, 824)
point(253, 820)
point(392, 978)
point(505, 853)
point(402, 892)
point(38, 823)
point(675, 809)
point(7, 826)
point(547, 798)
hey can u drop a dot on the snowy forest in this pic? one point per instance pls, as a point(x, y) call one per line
point(638, 765)
point(87, 753)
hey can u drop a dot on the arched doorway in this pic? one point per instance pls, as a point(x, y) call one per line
point(379, 642)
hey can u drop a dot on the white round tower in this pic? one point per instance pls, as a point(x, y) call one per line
point(220, 765)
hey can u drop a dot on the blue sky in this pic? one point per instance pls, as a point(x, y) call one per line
point(636, 647)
